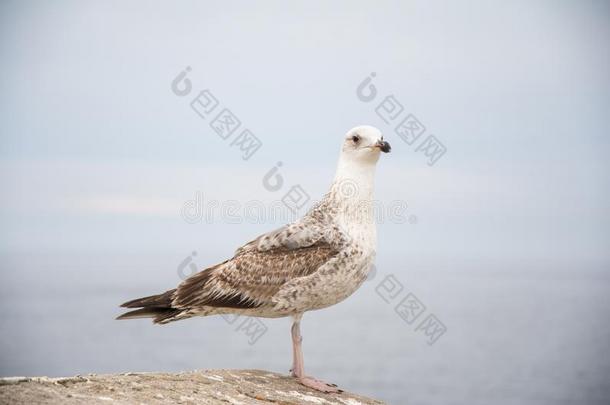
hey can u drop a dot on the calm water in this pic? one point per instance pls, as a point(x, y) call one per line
point(536, 335)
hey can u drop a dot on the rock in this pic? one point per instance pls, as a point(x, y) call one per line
point(206, 387)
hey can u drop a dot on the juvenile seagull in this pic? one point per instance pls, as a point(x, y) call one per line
point(310, 264)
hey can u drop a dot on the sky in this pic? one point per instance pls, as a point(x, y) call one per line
point(98, 154)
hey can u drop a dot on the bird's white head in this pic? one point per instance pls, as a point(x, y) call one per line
point(352, 188)
point(360, 152)
point(363, 144)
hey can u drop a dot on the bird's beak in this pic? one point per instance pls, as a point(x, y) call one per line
point(383, 146)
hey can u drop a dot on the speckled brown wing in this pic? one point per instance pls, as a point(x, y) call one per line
point(258, 269)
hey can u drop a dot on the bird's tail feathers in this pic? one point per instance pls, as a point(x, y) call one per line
point(158, 307)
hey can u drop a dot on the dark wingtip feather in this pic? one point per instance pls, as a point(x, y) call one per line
point(159, 314)
point(138, 313)
point(159, 300)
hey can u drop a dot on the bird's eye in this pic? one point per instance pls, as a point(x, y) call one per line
point(355, 139)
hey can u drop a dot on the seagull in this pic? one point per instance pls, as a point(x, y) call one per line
point(312, 263)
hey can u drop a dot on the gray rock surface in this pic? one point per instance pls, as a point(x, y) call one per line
point(196, 387)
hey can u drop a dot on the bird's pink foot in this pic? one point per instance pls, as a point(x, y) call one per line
point(319, 385)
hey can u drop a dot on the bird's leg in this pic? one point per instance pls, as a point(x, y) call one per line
point(297, 362)
point(297, 353)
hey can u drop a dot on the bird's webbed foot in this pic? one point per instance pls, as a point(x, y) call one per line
point(319, 385)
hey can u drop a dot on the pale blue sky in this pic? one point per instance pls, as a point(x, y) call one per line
point(518, 92)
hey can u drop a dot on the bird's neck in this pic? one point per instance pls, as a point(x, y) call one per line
point(354, 181)
point(352, 192)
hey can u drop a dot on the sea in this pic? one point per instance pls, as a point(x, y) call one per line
point(451, 332)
